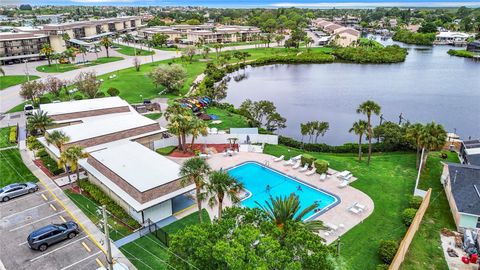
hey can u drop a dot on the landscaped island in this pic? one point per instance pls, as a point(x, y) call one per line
point(461, 53)
point(408, 37)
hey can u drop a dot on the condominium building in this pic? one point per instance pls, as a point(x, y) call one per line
point(340, 35)
point(21, 45)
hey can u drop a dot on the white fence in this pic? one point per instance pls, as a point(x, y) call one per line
point(220, 139)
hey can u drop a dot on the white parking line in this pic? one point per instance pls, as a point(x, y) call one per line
point(50, 252)
point(33, 222)
point(21, 199)
point(73, 264)
point(28, 209)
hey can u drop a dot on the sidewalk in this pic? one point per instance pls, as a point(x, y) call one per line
point(94, 232)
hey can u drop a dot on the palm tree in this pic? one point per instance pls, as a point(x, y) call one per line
point(197, 127)
point(57, 138)
point(74, 154)
point(83, 51)
point(368, 107)
point(194, 170)
point(107, 43)
point(96, 47)
point(221, 183)
point(179, 119)
point(38, 122)
point(359, 128)
point(308, 41)
point(413, 133)
point(281, 210)
point(47, 51)
point(432, 138)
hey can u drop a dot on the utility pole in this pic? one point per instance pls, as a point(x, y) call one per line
point(26, 69)
point(400, 118)
point(107, 239)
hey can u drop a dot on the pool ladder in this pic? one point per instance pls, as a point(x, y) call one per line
point(266, 163)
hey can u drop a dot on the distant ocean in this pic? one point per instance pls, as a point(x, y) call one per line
point(259, 3)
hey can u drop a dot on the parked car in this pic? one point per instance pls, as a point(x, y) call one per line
point(17, 189)
point(28, 109)
point(44, 237)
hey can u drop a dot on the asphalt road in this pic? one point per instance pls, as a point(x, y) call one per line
point(22, 215)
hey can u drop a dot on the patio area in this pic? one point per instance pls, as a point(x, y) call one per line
point(339, 218)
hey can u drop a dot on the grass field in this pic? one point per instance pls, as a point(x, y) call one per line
point(148, 252)
point(130, 51)
point(11, 80)
point(12, 169)
point(4, 137)
point(229, 120)
point(153, 116)
point(60, 68)
point(389, 181)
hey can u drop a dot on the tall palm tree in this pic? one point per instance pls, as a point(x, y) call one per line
point(83, 51)
point(107, 43)
point(413, 133)
point(359, 128)
point(38, 122)
point(432, 138)
point(179, 119)
point(197, 127)
point(193, 171)
point(57, 138)
point(221, 184)
point(281, 209)
point(96, 47)
point(368, 108)
point(74, 154)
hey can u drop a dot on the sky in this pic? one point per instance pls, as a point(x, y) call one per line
point(257, 3)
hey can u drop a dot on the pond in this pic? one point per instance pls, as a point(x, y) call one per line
point(429, 86)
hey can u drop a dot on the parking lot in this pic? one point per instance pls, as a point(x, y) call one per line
point(22, 215)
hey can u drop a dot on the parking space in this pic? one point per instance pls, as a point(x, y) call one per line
point(22, 215)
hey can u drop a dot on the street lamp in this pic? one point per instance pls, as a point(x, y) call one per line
point(26, 69)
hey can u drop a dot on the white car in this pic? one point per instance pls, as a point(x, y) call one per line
point(28, 109)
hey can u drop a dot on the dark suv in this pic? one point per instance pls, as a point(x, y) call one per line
point(44, 237)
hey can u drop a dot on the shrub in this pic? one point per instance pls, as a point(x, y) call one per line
point(78, 97)
point(461, 53)
point(382, 267)
point(165, 151)
point(44, 100)
point(415, 202)
point(101, 198)
point(408, 215)
point(321, 166)
point(12, 136)
point(112, 91)
point(99, 95)
point(408, 37)
point(49, 163)
point(306, 158)
point(389, 54)
point(387, 250)
point(33, 143)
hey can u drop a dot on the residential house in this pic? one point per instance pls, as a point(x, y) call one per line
point(451, 38)
point(469, 152)
point(474, 46)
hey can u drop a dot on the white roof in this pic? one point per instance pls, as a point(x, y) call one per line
point(453, 34)
point(105, 124)
point(141, 167)
point(472, 151)
point(82, 105)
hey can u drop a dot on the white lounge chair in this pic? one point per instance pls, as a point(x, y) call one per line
point(280, 158)
point(304, 168)
point(331, 226)
point(323, 176)
point(297, 165)
point(297, 157)
point(360, 207)
point(205, 156)
point(343, 184)
point(311, 172)
point(343, 174)
point(354, 210)
point(289, 162)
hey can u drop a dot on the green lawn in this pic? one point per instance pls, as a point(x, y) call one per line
point(89, 208)
point(389, 181)
point(4, 137)
point(165, 151)
point(12, 169)
point(229, 120)
point(11, 80)
point(153, 116)
point(127, 50)
point(60, 68)
point(148, 252)
point(426, 243)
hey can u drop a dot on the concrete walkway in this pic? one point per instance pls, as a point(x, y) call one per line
point(94, 232)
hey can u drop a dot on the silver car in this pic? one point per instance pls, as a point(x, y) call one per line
point(17, 189)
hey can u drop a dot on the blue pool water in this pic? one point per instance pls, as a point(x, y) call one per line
point(255, 178)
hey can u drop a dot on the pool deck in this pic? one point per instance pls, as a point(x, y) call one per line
point(337, 215)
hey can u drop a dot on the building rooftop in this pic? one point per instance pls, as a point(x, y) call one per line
point(452, 35)
point(82, 105)
point(465, 183)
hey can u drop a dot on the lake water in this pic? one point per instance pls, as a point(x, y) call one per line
point(429, 86)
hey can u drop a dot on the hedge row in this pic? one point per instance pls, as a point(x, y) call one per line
point(49, 162)
point(102, 199)
point(409, 37)
point(461, 53)
point(12, 137)
point(346, 148)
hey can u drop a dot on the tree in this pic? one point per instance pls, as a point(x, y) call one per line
point(205, 51)
point(218, 48)
point(281, 210)
point(194, 171)
point(53, 85)
point(279, 39)
point(274, 122)
point(413, 134)
point(73, 155)
point(112, 91)
point(262, 113)
point(32, 90)
point(179, 119)
point(83, 50)
point(107, 43)
point(359, 128)
point(57, 138)
point(308, 41)
point(197, 127)
point(38, 122)
point(159, 39)
point(189, 52)
point(367, 108)
point(221, 184)
point(320, 128)
point(172, 77)
point(2, 71)
point(218, 91)
point(137, 63)
point(428, 27)
point(96, 47)
point(47, 51)
point(432, 138)
point(87, 83)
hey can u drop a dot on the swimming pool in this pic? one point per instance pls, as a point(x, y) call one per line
point(255, 178)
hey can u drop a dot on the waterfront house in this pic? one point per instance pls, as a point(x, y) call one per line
point(462, 188)
point(451, 38)
point(470, 152)
point(474, 46)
